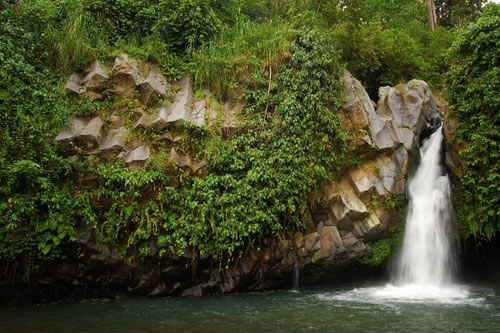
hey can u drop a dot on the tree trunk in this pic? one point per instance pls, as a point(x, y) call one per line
point(431, 13)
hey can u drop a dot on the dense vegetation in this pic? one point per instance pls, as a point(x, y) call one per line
point(474, 93)
point(281, 58)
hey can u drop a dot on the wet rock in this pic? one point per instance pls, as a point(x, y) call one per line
point(126, 77)
point(96, 80)
point(298, 240)
point(113, 143)
point(90, 135)
point(138, 157)
point(312, 242)
point(154, 85)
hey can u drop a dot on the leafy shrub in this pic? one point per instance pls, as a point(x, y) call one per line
point(473, 86)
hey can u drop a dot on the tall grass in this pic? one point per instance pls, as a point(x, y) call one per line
point(72, 45)
point(228, 62)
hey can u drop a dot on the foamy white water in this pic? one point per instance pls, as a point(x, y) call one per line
point(424, 270)
point(426, 258)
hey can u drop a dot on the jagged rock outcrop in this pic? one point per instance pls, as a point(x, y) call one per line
point(343, 218)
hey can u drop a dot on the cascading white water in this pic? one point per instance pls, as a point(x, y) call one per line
point(426, 257)
point(424, 269)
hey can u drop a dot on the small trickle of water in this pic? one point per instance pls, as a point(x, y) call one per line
point(426, 257)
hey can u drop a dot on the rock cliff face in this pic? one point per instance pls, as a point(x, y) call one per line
point(343, 217)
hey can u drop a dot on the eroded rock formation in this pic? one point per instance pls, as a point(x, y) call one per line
point(343, 217)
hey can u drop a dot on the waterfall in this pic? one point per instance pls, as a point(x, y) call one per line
point(427, 257)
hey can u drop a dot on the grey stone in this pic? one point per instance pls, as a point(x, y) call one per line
point(154, 84)
point(180, 109)
point(350, 207)
point(312, 242)
point(143, 121)
point(358, 102)
point(116, 121)
point(138, 156)
point(198, 114)
point(126, 76)
point(408, 107)
point(73, 85)
point(366, 227)
point(71, 130)
point(195, 291)
point(366, 181)
point(89, 137)
point(113, 143)
point(97, 79)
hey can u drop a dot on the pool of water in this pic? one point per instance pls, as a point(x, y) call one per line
point(383, 308)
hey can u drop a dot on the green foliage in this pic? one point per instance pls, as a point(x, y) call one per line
point(288, 142)
point(452, 13)
point(185, 24)
point(37, 211)
point(382, 250)
point(230, 62)
point(474, 83)
point(259, 180)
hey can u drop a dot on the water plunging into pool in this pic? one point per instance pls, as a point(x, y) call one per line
point(427, 257)
point(423, 271)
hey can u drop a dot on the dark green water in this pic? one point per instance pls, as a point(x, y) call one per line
point(374, 309)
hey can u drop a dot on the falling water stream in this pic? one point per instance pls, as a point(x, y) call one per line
point(424, 269)
point(426, 257)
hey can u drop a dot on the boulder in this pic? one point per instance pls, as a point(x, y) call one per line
point(143, 121)
point(366, 180)
point(298, 240)
point(89, 137)
point(195, 291)
point(185, 161)
point(154, 85)
point(198, 114)
point(73, 85)
point(71, 130)
point(180, 109)
point(113, 143)
point(393, 171)
point(410, 108)
point(330, 243)
point(348, 208)
point(96, 80)
point(367, 227)
point(137, 157)
point(312, 242)
point(116, 121)
point(126, 77)
point(359, 109)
